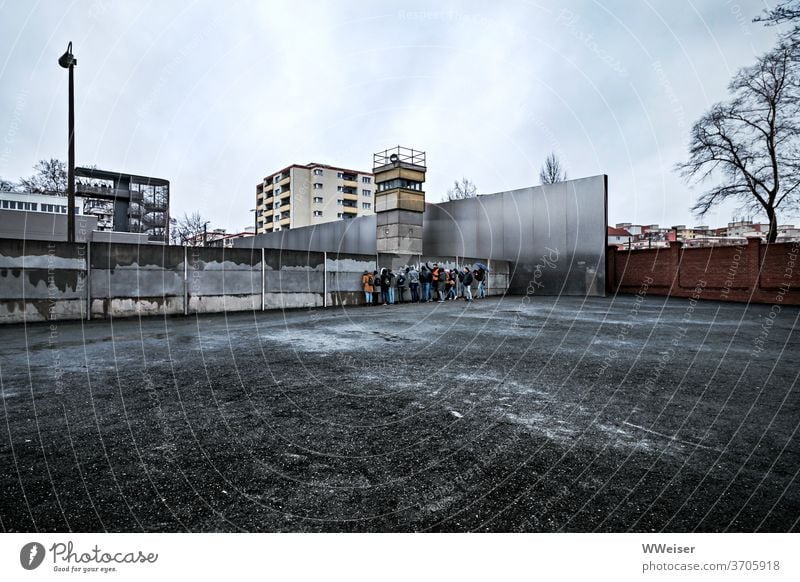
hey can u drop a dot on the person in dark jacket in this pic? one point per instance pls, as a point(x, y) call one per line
point(402, 282)
point(468, 284)
point(441, 284)
point(413, 284)
point(376, 288)
point(386, 279)
point(480, 277)
point(425, 279)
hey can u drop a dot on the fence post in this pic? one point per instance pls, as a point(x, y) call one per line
point(185, 281)
point(263, 281)
point(88, 280)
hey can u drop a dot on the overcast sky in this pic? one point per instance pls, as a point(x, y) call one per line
point(213, 96)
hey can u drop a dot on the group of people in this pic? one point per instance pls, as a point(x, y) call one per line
point(426, 283)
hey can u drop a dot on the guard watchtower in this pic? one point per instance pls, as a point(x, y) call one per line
point(399, 175)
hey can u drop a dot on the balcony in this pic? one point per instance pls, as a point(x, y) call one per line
point(99, 190)
point(285, 194)
point(285, 222)
point(350, 210)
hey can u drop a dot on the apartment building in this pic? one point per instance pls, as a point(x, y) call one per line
point(303, 195)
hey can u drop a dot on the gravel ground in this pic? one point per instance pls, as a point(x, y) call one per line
point(517, 414)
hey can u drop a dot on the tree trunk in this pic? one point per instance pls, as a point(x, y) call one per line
point(772, 233)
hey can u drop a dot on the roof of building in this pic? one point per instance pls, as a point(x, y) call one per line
point(612, 231)
point(311, 165)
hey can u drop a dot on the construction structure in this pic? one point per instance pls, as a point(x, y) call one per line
point(125, 202)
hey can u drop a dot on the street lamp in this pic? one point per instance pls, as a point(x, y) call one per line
point(68, 61)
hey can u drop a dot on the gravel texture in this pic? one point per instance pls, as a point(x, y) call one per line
point(531, 414)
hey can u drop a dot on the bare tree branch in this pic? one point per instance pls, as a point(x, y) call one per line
point(187, 228)
point(750, 144)
point(552, 171)
point(463, 189)
point(50, 178)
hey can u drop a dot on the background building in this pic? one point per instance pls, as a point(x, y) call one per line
point(618, 236)
point(29, 216)
point(312, 194)
point(125, 202)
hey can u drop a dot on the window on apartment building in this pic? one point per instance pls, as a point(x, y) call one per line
point(366, 193)
point(339, 215)
point(317, 199)
point(339, 175)
point(340, 188)
point(317, 186)
point(5, 203)
point(366, 180)
point(317, 171)
point(318, 213)
point(366, 205)
point(340, 202)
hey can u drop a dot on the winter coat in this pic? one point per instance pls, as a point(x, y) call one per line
point(365, 282)
point(413, 276)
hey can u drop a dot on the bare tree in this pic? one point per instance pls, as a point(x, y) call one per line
point(751, 144)
point(7, 185)
point(187, 229)
point(463, 189)
point(552, 171)
point(786, 11)
point(50, 178)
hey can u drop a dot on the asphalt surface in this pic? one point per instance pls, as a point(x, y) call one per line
point(522, 414)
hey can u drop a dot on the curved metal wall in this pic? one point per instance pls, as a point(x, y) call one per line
point(554, 235)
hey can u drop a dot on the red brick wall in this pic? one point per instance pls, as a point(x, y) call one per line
point(753, 272)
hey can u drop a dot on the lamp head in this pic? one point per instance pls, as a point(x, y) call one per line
point(68, 60)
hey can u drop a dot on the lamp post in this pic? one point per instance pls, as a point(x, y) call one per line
point(68, 61)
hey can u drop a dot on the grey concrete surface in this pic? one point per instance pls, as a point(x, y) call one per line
point(516, 414)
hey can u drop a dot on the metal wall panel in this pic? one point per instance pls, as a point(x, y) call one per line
point(554, 236)
point(489, 241)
